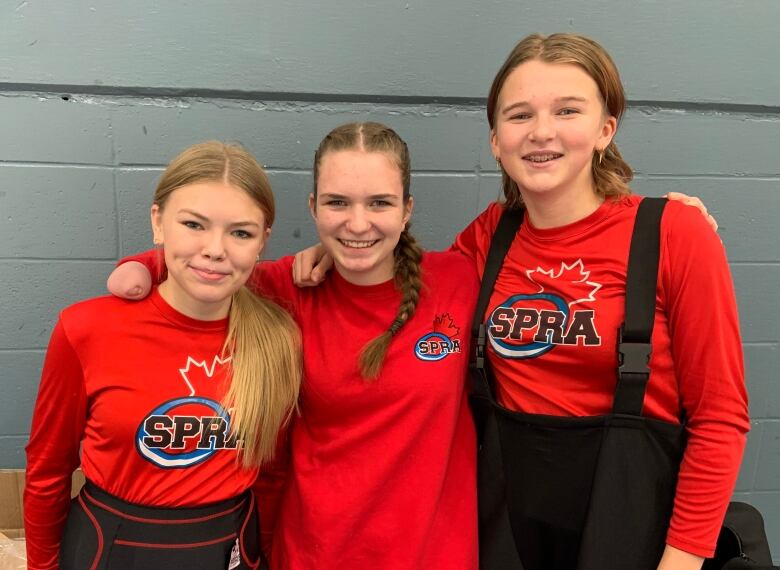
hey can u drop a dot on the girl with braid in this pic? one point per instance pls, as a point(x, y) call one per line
point(382, 455)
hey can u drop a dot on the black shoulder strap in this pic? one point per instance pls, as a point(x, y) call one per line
point(634, 337)
point(499, 246)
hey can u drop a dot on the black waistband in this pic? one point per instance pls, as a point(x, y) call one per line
point(101, 499)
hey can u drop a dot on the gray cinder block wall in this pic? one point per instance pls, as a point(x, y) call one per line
point(95, 97)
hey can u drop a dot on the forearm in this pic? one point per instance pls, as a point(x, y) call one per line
point(675, 559)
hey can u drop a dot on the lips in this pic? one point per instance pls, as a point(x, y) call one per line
point(207, 274)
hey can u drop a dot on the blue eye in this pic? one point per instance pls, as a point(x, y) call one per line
point(243, 234)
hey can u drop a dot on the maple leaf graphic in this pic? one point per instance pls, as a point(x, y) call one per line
point(570, 281)
point(201, 372)
point(445, 325)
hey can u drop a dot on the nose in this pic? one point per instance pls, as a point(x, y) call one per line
point(213, 246)
point(359, 220)
point(542, 129)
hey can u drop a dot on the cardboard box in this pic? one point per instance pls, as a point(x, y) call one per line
point(11, 492)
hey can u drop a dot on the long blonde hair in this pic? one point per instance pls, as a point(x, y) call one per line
point(611, 174)
point(376, 137)
point(263, 341)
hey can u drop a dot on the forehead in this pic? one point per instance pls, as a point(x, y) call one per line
point(345, 171)
point(539, 80)
point(215, 200)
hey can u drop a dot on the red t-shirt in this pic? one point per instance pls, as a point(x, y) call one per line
point(383, 473)
point(547, 364)
point(136, 385)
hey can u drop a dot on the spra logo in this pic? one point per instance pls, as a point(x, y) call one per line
point(530, 325)
point(187, 430)
point(442, 341)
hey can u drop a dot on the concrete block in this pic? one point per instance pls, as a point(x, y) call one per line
point(490, 190)
point(768, 471)
point(35, 292)
point(443, 206)
point(285, 135)
point(762, 371)
point(756, 286)
point(21, 376)
point(12, 452)
point(134, 193)
point(57, 212)
point(294, 227)
point(663, 141)
point(47, 128)
point(747, 210)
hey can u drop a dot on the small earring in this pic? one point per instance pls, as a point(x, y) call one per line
point(601, 156)
point(156, 242)
point(498, 162)
point(257, 259)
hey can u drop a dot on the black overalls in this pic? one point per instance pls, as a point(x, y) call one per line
point(104, 532)
point(578, 493)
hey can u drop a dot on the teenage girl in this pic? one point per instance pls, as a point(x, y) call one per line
point(586, 487)
point(170, 405)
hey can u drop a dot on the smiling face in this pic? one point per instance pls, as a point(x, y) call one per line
point(360, 213)
point(549, 121)
point(213, 233)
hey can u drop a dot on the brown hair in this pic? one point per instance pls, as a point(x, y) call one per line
point(263, 341)
point(611, 174)
point(376, 137)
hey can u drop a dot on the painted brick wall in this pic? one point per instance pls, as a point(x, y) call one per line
point(96, 97)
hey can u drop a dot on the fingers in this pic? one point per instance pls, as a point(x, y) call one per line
point(310, 266)
point(696, 203)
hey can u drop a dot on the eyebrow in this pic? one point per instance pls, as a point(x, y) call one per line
point(333, 196)
point(520, 104)
point(195, 214)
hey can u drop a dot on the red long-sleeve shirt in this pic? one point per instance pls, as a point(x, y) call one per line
point(696, 364)
point(117, 375)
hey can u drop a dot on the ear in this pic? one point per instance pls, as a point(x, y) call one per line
point(313, 206)
point(408, 207)
point(607, 133)
point(155, 214)
point(494, 145)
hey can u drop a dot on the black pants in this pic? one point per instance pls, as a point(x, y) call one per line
point(105, 533)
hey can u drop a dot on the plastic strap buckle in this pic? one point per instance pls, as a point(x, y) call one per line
point(634, 357)
point(480, 347)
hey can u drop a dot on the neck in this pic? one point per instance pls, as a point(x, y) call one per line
point(556, 209)
point(191, 307)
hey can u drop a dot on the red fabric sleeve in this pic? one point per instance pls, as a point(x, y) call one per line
point(471, 241)
point(53, 451)
point(154, 261)
point(707, 351)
